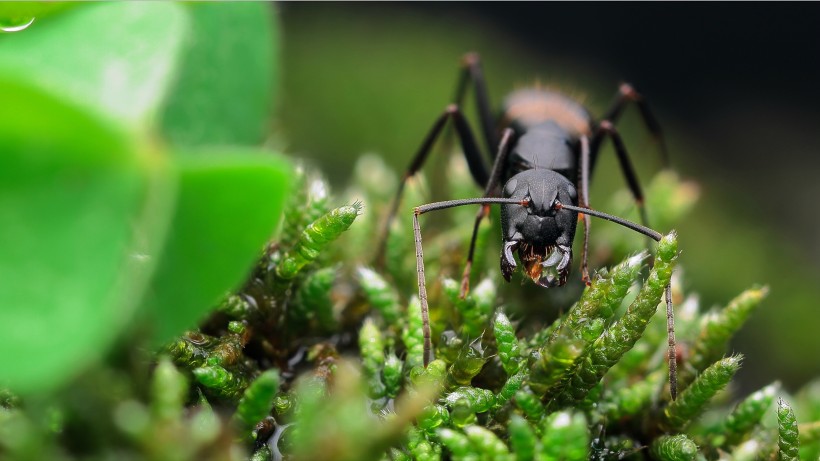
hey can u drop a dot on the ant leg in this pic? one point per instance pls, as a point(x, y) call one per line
point(489, 191)
point(471, 152)
point(607, 128)
point(419, 210)
point(468, 266)
point(471, 71)
point(584, 201)
point(627, 94)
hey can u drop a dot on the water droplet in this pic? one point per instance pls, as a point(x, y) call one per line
point(15, 25)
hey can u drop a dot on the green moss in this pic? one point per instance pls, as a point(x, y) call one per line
point(317, 350)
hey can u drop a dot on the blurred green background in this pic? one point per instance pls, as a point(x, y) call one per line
point(733, 86)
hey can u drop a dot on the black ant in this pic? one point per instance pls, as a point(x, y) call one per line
point(547, 150)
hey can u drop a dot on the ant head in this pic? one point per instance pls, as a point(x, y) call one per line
point(542, 232)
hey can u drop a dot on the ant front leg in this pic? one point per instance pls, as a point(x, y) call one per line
point(471, 152)
point(489, 191)
point(468, 265)
point(627, 94)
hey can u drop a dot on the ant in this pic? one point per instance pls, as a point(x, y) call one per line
point(547, 147)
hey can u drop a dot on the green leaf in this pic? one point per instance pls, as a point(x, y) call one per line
point(169, 389)
point(674, 448)
point(565, 437)
point(256, 402)
point(15, 15)
point(694, 399)
point(788, 436)
point(747, 414)
point(76, 191)
point(74, 195)
point(228, 205)
point(115, 59)
point(224, 91)
point(522, 437)
point(315, 238)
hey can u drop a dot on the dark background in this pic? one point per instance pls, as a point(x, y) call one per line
point(734, 86)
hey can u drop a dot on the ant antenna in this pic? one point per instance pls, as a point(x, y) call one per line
point(425, 318)
point(600, 214)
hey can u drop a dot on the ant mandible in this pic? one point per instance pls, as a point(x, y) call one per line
point(547, 144)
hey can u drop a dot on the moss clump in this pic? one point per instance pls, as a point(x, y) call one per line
point(319, 357)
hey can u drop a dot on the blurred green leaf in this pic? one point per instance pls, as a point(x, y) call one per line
point(71, 193)
point(85, 196)
point(18, 13)
point(224, 92)
point(229, 202)
point(116, 59)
